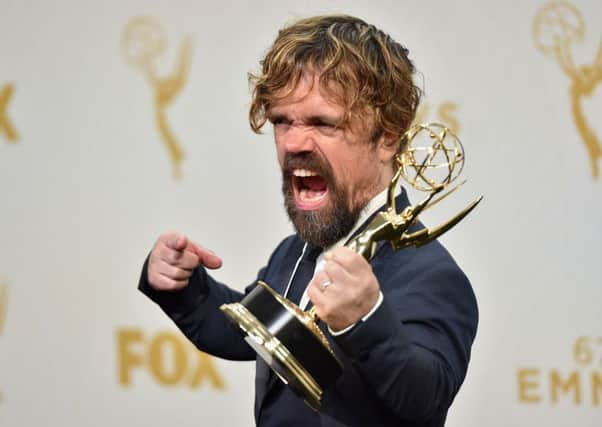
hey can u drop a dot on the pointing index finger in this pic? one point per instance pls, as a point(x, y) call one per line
point(206, 256)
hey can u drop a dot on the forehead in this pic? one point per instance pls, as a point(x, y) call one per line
point(308, 96)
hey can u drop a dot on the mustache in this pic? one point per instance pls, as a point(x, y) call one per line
point(309, 160)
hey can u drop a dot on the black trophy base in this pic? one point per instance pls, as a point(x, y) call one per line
point(288, 340)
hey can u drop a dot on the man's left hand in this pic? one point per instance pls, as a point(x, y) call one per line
point(345, 290)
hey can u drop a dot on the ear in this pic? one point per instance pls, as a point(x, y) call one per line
point(387, 147)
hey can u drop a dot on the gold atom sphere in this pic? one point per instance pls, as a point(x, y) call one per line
point(433, 157)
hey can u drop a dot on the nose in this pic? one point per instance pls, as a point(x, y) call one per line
point(298, 139)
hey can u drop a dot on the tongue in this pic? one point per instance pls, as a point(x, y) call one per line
point(314, 183)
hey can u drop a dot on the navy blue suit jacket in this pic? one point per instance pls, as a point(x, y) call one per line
point(402, 366)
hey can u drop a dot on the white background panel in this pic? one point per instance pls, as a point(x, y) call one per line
point(88, 188)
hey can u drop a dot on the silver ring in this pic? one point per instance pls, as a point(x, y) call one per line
point(325, 285)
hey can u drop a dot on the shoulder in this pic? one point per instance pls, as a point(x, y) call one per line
point(415, 260)
point(429, 270)
point(285, 254)
point(288, 245)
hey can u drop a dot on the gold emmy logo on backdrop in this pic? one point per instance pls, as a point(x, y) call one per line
point(6, 126)
point(556, 27)
point(143, 42)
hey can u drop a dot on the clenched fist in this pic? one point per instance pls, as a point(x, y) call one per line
point(173, 260)
point(345, 290)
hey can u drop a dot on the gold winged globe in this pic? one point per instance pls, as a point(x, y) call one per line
point(288, 339)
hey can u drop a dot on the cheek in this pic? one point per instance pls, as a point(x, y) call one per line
point(362, 171)
point(280, 153)
point(349, 165)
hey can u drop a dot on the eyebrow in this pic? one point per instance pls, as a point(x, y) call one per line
point(323, 120)
point(313, 120)
point(273, 117)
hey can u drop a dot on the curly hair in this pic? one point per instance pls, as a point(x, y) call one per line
point(359, 67)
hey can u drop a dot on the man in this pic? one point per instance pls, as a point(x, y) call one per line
point(339, 95)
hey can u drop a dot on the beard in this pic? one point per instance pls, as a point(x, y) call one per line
point(325, 226)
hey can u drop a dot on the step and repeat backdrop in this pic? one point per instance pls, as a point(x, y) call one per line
point(123, 119)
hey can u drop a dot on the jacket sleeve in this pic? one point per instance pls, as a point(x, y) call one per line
point(195, 310)
point(413, 351)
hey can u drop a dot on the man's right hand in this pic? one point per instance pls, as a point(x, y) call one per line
point(173, 260)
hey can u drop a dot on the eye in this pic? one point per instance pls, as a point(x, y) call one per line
point(326, 128)
point(278, 120)
point(320, 123)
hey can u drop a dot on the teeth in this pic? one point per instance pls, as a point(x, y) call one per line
point(303, 173)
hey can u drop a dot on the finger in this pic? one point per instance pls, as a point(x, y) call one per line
point(174, 272)
point(169, 247)
point(348, 259)
point(177, 242)
point(171, 284)
point(206, 256)
point(319, 280)
point(317, 297)
point(166, 253)
point(337, 273)
point(189, 260)
point(185, 259)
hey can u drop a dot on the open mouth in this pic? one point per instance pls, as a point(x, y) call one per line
point(311, 189)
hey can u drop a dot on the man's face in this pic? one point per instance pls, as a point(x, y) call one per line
point(329, 173)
